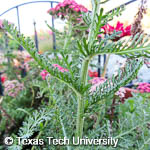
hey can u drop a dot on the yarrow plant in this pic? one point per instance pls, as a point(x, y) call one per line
point(92, 73)
point(125, 31)
point(3, 79)
point(121, 92)
point(144, 87)
point(12, 88)
point(74, 73)
point(68, 9)
point(1, 24)
point(60, 68)
point(44, 74)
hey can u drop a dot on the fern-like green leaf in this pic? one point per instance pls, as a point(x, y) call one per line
point(125, 75)
point(138, 47)
point(42, 60)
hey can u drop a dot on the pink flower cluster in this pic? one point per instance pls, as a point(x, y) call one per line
point(60, 68)
point(44, 74)
point(108, 29)
point(67, 7)
point(144, 87)
point(1, 24)
point(121, 93)
point(12, 88)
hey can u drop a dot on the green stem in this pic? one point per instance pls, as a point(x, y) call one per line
point(105, 66)
point(90, 39)
point(96, 8)
point(67, 38)
point(80, 110)
point(64, 132)
point(33, 96)
point(84, 72)
point(80, 121)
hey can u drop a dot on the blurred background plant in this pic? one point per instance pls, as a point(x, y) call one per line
point(45, 41)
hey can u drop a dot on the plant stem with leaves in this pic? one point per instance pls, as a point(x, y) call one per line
point(84, 72)
point(80, 109)
point(68, 36)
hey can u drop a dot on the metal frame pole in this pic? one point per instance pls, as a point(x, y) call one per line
point(99, 65)
point(35, 36)
point(53, 25)
point(18, 20)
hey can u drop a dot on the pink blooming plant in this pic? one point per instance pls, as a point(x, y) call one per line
point(144, 87)
point(12, 88)
point(44, 74)
point(50, 32)
point(126, 31)
point(92, 74)
point(3, 79)
point(121, 93)
point(1, 24)
point(67, 8)
point(60, 68)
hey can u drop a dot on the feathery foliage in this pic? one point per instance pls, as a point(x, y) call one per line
point(76, 77)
